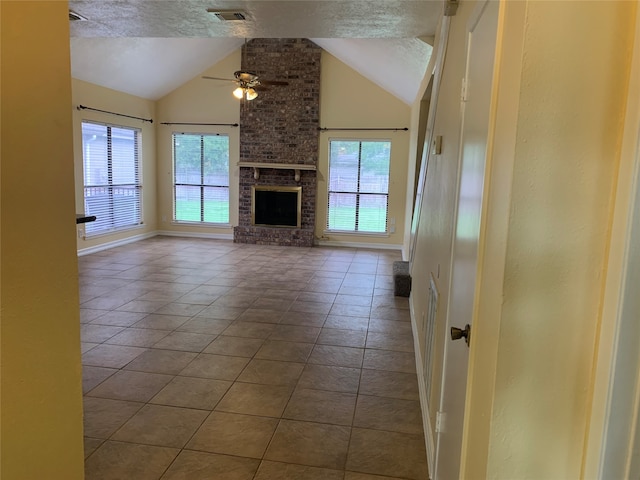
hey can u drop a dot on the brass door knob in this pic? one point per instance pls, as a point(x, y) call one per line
point(458, 333)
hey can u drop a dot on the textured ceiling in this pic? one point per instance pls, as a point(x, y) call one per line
point(150, 47)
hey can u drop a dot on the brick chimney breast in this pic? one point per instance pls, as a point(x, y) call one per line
point(280, 126)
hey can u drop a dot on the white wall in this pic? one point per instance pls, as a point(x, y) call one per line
point(571, 110)
point(556, 131)
point(41, 389)
point(101, 98)
point(199, 101)
point(348, 100)
point(207, 101)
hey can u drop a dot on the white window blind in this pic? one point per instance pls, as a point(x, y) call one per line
point(358, 185)
point(112, 184)
point(201, 178)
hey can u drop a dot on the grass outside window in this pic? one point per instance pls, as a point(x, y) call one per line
point(358, 194)
point(201, 178)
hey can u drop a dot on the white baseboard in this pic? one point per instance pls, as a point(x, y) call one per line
point(224, 236)
point(115, 243)
point(424, 401)
point(374, 246)
point(144, 236)
point(215, 236)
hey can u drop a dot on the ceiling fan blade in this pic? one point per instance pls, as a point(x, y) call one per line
point(218, 78)
point(260, 88)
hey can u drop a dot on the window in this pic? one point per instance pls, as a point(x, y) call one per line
point(201, 178)
point(358, 185)
point(111, 177)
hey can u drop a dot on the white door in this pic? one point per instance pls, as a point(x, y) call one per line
point(476, 97)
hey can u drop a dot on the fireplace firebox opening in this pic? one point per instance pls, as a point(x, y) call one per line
point(276, 206)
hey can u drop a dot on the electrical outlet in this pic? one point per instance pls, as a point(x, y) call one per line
point(392, 229)
point(164, 218)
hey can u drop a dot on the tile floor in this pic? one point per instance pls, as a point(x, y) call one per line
point(205, 359)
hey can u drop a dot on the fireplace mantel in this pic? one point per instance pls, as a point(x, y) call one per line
point(296, 167)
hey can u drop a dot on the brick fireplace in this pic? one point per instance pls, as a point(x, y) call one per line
point(279, 136)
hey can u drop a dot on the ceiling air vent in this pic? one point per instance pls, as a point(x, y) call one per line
point(228, 15)
point(76, 17)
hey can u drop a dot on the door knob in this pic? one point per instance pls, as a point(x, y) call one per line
point(458, 333)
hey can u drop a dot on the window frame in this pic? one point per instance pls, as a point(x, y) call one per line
point(357, 192)
point(201, 185)
point(94, 229)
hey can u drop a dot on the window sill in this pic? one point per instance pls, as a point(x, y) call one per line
point(356, 234)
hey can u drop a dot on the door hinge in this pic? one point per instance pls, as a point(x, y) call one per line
point(440, 419)
point(463, 90)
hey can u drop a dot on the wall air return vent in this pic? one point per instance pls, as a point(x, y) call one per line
point(228, 15)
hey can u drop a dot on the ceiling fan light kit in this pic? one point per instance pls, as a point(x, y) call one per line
point(244, 92)
point(251, 94)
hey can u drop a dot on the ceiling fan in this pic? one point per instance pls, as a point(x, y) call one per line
point(248, 84)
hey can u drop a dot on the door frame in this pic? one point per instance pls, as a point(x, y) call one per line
point(471, 24)
point(615, 382)
point(493, 239)
point(440, 48)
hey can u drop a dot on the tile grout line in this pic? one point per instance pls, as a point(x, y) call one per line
point(315, 344)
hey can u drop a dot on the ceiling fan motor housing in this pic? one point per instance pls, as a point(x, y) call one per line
point(244, 76)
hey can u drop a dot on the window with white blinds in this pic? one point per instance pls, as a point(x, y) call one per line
point(112, 187)
point(358, 185)
point(201, 178)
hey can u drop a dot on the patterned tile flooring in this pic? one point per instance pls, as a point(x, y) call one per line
point(205, 359)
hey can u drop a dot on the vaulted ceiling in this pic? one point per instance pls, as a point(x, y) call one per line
point(150, 47)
